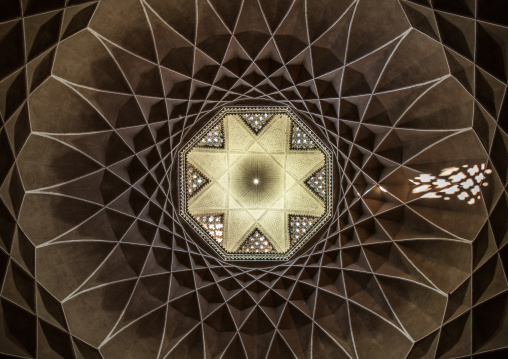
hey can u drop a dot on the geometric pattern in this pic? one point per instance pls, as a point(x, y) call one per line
point(195, 180)
point(256, 121)
point(300, 140)
point(299, 225)
point(464, 183)
point(96, 100)
point(256, 242)
point(213, 225)
point(317, 182)
point(255, 181)
point(214, 138)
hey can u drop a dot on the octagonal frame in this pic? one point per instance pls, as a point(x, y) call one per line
point(218, 249)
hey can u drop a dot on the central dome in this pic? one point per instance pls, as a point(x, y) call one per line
point(255, 183)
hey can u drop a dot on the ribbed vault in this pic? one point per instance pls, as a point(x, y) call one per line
point(97, 98)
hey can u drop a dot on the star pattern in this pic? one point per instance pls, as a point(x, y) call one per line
point(97, 98)
point(256, 181)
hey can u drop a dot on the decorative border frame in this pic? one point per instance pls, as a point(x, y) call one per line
point(221, 252)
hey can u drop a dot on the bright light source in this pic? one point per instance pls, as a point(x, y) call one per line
point(256, 181)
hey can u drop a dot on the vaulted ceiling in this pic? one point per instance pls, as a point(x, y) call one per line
point(97, 98)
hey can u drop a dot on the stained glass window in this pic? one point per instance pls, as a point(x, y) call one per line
point(213, 224)
point(317, 183)
point(256, 121)
point(300, 140)
point(195, 180)
point(299, 226)
point(256, 243)
point(214, 138)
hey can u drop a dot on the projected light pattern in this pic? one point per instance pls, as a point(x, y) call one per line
point(463, 182)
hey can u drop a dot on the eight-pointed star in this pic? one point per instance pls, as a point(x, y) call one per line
point(265, 158)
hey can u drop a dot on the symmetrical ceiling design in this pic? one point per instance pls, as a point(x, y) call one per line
point(268, 169)
point(97, 98)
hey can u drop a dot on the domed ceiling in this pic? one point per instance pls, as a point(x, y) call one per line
point(98, 100)
point(264, 179)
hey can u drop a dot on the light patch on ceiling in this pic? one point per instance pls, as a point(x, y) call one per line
point(463, 182)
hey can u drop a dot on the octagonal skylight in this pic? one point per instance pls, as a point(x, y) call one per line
point(256, 183)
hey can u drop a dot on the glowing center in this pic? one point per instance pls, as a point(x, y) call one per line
point(258, 186)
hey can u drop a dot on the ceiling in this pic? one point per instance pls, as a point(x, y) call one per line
point(97, 98)
point(256, 181)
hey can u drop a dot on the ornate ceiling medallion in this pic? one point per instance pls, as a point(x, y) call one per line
point(256, 183)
